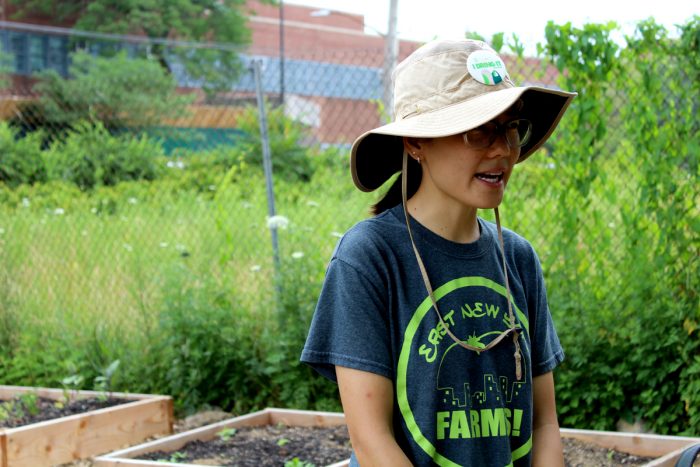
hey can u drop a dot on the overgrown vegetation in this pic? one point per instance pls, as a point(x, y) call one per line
point(172, 275)
point(117, 92)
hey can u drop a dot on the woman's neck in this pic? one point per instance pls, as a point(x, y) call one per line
point(450, 220)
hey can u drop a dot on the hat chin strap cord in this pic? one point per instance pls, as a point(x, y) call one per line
point(513, 329)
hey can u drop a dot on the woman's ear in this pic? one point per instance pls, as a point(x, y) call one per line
point(413, 147)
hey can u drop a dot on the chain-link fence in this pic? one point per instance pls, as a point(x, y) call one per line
point(323, 102)
point(139, 178)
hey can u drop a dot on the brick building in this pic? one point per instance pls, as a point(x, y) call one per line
point(332, 69)
point(331, 77)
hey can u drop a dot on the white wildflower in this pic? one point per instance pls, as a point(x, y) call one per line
point(26, 203)
point(132, 200)
point(255, 268)
point(175, 164)
point(277, 222)
point(59, 211)
point(93, 210)
point(212, 187)
point(552, 166)
point(298, 255)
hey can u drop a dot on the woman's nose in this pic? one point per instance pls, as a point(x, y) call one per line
point(501, 147)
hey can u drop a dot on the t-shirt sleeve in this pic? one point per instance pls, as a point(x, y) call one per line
point(350, 324)
point(547, 352)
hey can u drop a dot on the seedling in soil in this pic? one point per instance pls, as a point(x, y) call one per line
point(72, 382)
point(298, 463)
point(103, 382)
point(20, 406)
point(177, 456)
point(29, 401)
point(226, 434)
point(282, 441)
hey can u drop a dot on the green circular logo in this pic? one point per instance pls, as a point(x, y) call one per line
point(404, 359)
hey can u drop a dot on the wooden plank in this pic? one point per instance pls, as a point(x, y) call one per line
point(269, 416)
point(639, 444)
point(79, 436)
point(204, 433)
point(3, 448)
point(669, 460)
point(105, 462)
point(9, 392)
point(305, 418)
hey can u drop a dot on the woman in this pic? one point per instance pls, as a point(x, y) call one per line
point(433, 321)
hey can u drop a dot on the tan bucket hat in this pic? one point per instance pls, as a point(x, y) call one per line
point(446, 88)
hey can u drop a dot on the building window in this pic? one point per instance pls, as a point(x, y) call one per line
point(36, 52)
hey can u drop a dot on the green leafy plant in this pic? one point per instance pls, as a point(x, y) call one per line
point(288, 138)
point(282, 442)
point(296, 462)
point(71, 383)
point(90, 156)
point(177, 457)
point(118, 92)
point(623, 286)
point(30, 402)
point(226, 434)
point(103, 381)
point(21, 159)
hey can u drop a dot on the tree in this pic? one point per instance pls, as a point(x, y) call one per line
point(220, 21)
point(118, 92)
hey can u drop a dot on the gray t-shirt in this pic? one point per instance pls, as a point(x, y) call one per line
point(452, 406)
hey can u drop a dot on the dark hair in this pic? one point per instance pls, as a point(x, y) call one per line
point(392, 197)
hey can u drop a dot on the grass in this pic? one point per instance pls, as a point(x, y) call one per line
point(71, 261)
point(179, 283)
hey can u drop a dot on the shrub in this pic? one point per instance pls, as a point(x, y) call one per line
point(117, 91)
point(90, 156)
point(20, 158)
point(288, 139)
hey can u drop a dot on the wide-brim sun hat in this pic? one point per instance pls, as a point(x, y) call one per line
point(446, 88)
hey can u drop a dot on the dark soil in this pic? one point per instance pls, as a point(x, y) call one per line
point(266, 446)
point(25, 410)
point(322, 446)
point(580, 454)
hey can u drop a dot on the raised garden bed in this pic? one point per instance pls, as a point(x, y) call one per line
point(659, 451)
point(269, 419)
point(665, 450)
point(79, 436)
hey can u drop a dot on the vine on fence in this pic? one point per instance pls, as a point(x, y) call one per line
point(632, 348)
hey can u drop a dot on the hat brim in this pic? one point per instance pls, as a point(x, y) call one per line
point(376, 155)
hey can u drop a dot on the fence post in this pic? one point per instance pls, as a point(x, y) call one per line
point(267, 167)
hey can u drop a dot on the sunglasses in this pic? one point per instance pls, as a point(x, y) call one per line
point(516, 131)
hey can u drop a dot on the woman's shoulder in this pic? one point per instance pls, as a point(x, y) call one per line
point(371, 234)
point(512, 240)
